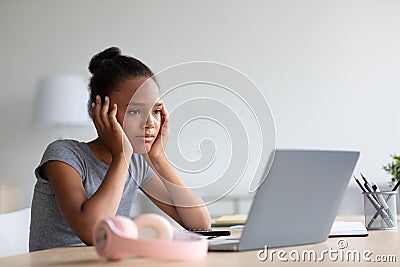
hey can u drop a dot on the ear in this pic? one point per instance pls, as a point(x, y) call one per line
point(154, 226)
point(126, 227)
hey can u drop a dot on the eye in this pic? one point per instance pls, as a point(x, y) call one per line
point(134, 112)
point(157, 112)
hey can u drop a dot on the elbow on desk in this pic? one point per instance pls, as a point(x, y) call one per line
point(198, 224)
point(85, 234)
point(206, 224)
point(87, 239)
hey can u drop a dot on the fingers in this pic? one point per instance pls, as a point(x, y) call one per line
point(113, 112)
point(96, 107)
point(113, 115)
point(101, 115)
point(165, 116)
point(104, 112)
point(164, 111)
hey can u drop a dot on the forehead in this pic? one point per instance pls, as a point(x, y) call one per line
point(138, 90)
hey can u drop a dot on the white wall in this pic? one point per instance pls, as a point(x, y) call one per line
point(329, 69)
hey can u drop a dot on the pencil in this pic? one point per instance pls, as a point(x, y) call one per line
point(359, 184)
point(396, 186)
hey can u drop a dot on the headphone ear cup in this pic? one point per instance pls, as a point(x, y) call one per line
point(154, 226)
point(126, 227)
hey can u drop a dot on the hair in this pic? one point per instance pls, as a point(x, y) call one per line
point(109, 68)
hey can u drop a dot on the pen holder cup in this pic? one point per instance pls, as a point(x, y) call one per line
point(380, 210)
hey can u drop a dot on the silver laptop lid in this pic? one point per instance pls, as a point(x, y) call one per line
point(298, 201)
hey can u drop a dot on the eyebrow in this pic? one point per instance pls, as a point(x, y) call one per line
point(158, 104)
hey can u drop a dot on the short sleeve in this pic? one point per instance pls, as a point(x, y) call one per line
point(142, 170)
point(62, 150)
point(148, 174)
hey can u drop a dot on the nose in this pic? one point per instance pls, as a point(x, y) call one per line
point(150, 121)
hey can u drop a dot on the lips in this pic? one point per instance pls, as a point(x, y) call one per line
point(147, 138)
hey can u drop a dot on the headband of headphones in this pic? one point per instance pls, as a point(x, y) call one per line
point(148, 235)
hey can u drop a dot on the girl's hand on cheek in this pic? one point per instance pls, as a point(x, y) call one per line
point(109, 130)
point(158, 146)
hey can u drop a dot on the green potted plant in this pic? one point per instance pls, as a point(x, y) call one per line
point(393, 168)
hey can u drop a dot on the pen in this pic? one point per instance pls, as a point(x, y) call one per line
point(369, 188)
point(396, 186)
point(382, 200)
point(376, 204)
point(366, 184)
point(359, 184)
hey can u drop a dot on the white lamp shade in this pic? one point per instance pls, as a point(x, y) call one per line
point(61, 100)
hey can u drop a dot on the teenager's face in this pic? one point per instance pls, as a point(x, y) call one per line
point(139, 111)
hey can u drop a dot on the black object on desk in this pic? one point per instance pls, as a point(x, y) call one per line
point(213, 233)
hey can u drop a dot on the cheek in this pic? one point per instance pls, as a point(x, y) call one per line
point(131, 126)
point(120, 116)
point(157, 124)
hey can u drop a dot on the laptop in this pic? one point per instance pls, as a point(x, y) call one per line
point(298, 201)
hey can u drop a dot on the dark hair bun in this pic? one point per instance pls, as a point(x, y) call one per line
point(99, 59)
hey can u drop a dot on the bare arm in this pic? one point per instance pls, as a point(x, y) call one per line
point(168, 191)
point(172, 196)
point(80, 211)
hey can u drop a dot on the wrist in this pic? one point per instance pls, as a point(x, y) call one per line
point(121, 157)
point(158, 159)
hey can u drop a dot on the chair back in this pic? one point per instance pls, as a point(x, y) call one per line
point(14, 232)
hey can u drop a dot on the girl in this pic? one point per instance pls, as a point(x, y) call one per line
point(79, 183)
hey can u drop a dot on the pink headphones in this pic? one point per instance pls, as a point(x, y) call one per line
point(148, 235)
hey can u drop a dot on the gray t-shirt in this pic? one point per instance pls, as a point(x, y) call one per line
point(48, 227)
